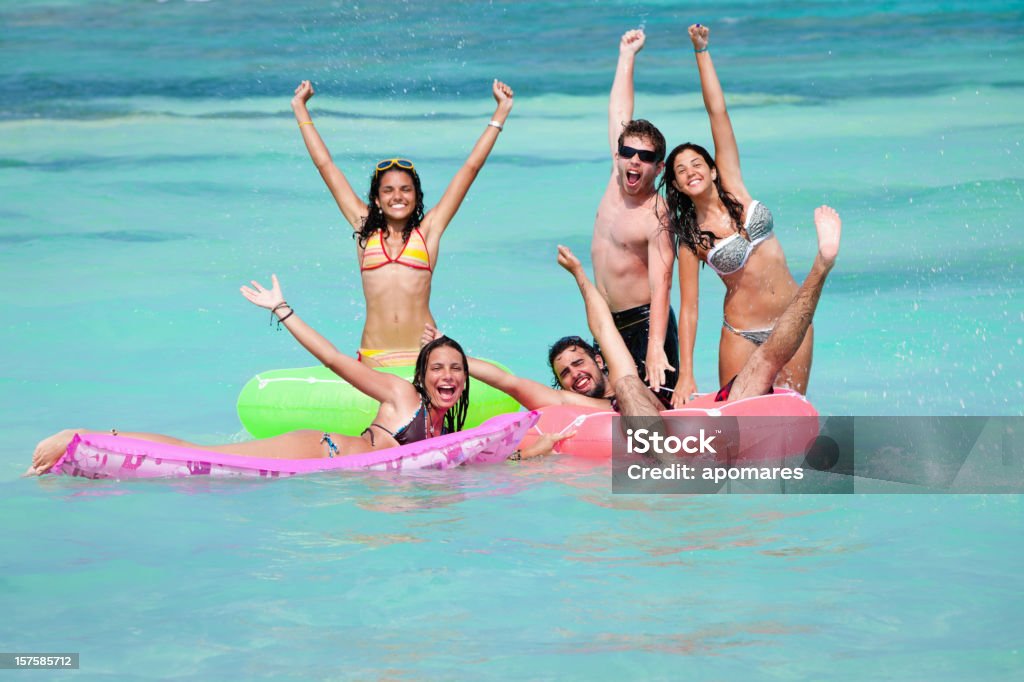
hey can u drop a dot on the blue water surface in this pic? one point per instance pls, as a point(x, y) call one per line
point(150, 165)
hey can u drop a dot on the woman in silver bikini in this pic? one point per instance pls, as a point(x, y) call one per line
point(715, 220)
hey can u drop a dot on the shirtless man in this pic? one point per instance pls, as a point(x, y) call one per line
point(631, 250)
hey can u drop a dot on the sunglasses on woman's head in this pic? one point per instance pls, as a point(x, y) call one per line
point(387, 164)
point(646, 155)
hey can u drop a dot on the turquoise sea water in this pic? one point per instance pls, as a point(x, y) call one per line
point(149, 165)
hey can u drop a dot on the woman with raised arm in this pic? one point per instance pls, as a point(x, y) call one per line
point(715, 220)
point(433, 404)
point(396, 242)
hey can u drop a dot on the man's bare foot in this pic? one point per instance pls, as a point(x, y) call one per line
point(49, 451)
point(829, 227)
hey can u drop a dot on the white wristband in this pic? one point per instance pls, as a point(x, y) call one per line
point(496, 125)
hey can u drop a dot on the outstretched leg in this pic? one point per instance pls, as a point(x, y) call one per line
point(304, 444)
point(633, 395)
point(758, 373)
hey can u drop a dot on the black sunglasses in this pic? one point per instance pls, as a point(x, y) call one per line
point(646, 155)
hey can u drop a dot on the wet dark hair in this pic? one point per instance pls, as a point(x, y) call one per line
point(562, 344)
point(682, 214)
point(644, 129)
point(375, 219)
point(455, 418)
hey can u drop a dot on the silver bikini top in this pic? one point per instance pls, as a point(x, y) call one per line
point(731, 254)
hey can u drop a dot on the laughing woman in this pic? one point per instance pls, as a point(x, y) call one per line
point(433, 404)
point(714, 220)
point(396, 242)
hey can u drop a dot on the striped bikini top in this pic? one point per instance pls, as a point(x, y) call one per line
point(731, 254)
point(414, 252)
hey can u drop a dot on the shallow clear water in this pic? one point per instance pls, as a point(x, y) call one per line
point(494, 572)
point(149, 165)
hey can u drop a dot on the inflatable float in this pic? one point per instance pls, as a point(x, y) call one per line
point(773, 426)
point(95, 455)
point(283, 400)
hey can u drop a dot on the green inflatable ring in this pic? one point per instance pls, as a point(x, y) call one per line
point(283, 400)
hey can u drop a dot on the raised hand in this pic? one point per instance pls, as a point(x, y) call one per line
point(430, 332)
point(632, 41)
point(302, 93)
point(502, 95)
point(568, 260)
point(699, 36)
point(263, 297)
